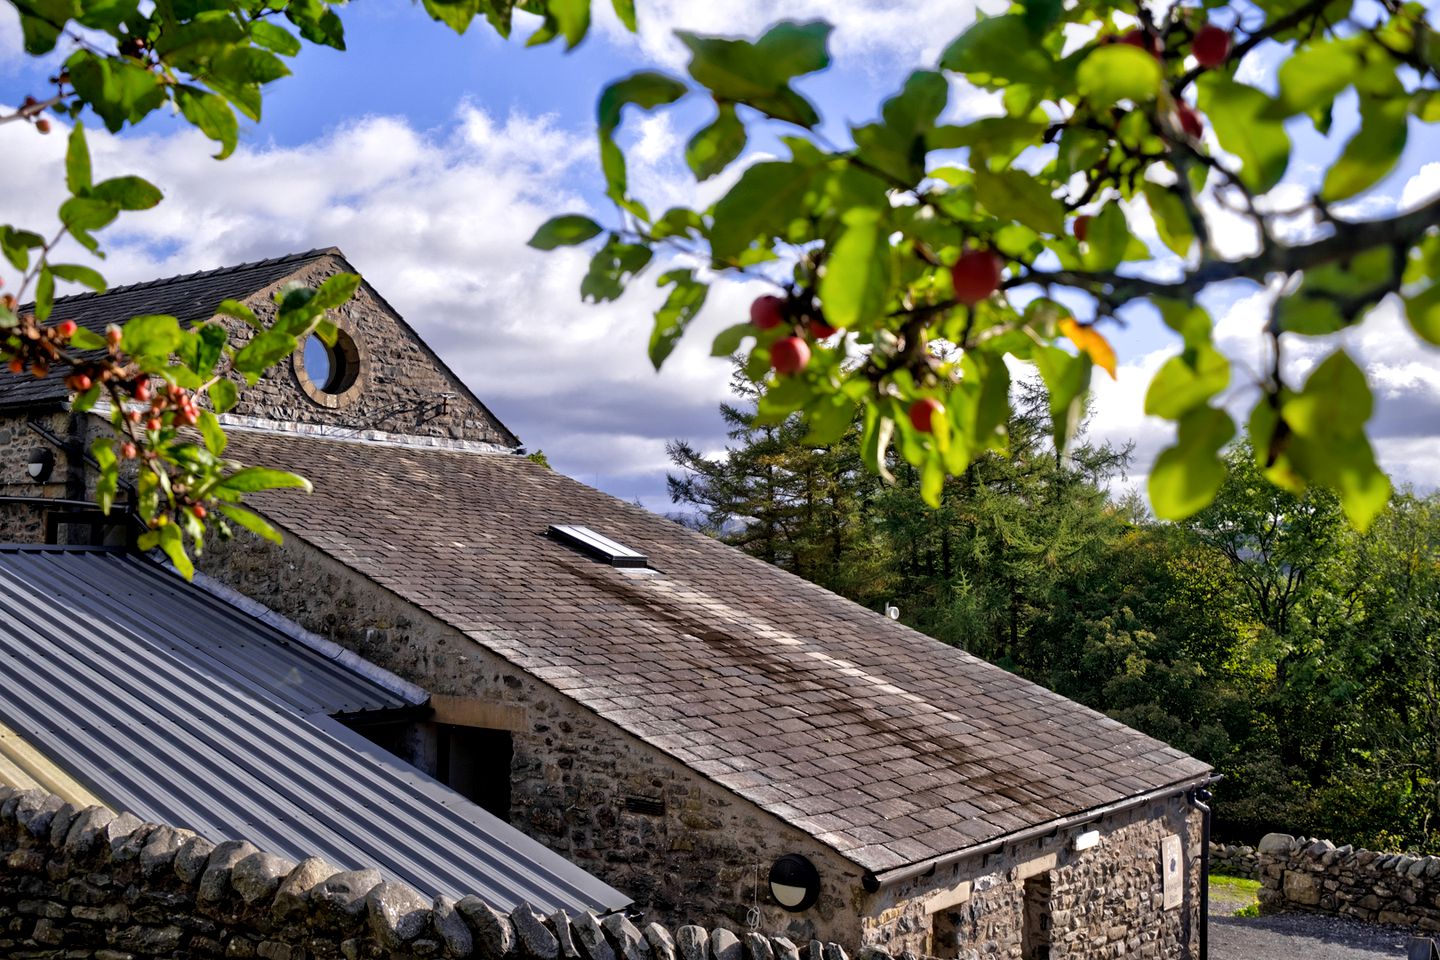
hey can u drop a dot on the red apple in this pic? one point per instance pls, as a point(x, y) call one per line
point(199, 511)
point(789, 355)
point(821, 330)
point(923, 413)
point(1145, 41)
point(1211, 46)
point(976, 276)
point(1190, 121)
point(767, 312)
point(65, 329)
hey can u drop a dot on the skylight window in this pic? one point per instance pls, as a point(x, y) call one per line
point(597, 545)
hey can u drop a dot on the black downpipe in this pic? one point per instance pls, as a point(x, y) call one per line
point(1200, 799)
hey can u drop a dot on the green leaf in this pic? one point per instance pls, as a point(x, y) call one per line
point(173, 544)
point(254, 479)
point(212, 432)
point(264, 351)
point(77, 161)
point(757, 74)
point(1172, 221)
point(1313, 77)
point(1241, 118)
point(318, 23)
point(108, 482)
point(1067, 377)
point(764, 202)
point(274, 37)
point(87, 340)
point(625, 11)
point(1186, 381)
point(223, 395)
point(572, 19)
point(117, 89)
point(856, 282)
point(1106, 239)
point(564, 231)
point(680, 307)
point(251, 521)
point(998, 51)
point(151, 336)
point(646, 89)
point(238, 310)
point(75, 273)
point(716, 145)
point(898, 144)
point(1041, 15)
point(727, 341)
point(84, 214)
point(212, 114)
point(1116, 72)
point(455, 14)
point(335, 292)
point(1186, 477)
point(127, 193)
point(1309, 316)
point(44, 293)
point(612, 267)
point(1335, 400)
point(1373, 151)
point(1015, 195)
point(17, 245)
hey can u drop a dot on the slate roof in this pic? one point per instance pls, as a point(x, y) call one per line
point(170, 703)
point(190, 297)
point(887, 745)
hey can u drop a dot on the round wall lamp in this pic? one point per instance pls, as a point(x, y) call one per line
point(41, 465)
point(794, 882)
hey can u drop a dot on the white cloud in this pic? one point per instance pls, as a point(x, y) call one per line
point(438, 221)
point(1421, 188)
point(903, 31)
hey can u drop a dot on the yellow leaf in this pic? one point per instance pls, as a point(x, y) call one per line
point(1090, 342)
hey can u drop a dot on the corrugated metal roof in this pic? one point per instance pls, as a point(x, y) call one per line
point(180, 738)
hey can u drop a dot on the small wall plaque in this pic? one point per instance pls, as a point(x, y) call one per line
point(1172, 869)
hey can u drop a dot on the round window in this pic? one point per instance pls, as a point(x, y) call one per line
point(329, 374)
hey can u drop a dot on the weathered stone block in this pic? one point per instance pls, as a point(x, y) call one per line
point(84, 833)
point(494, 933)
point(757, 946)
point(215, 881)
point(626, 938)
point(590, 937)
point(1277, 843)
point(258, 876)
point(398, 914)
point(724, 945)
point(785, 948)
point(192, 858)
point(662, 945)
point(451, 929)
point(534, 938)
point(692, 943)
point(292, 896)
point(1300, 887)
point(340, 898)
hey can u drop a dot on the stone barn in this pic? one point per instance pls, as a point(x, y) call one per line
point(681, 720)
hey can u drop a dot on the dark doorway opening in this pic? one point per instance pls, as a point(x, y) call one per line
point(475, 763)
point(1035, 925)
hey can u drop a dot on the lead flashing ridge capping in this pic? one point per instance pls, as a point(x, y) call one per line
point(873, 882)
point(409, 692)
point(379, 437)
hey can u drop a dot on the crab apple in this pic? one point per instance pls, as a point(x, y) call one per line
point(1211, 46)
point(1190, 122)
point(821, 330)
point(152, 423)
point(923, 413)
point(142, 390)
point(1145, 41)
point(789, 355)
point(79, 381)
point(199, 511)
point(65, 329)
point(17, 365)
point(767, 312)
point(42, 125)
point(976, 275)
point(113, 335)
point(1082, 227)
point(128, 451)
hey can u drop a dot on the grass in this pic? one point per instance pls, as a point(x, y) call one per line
point(1234, 895)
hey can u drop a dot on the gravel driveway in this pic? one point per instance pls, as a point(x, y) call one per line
point(1299, 935)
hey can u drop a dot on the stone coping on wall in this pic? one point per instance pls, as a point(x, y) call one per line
point(1235, 860)
point(1315, 876)
point(90, 882)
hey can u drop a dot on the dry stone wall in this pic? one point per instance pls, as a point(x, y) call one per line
point(1315, 876)
point(90, 884)
point(1235, 860)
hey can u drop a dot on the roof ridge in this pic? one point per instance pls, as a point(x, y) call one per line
point(213, 271)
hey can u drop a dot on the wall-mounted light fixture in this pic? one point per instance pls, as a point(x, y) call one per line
point(892, 611)
point(794, 882)
point(1086, 840)
point(42, 464)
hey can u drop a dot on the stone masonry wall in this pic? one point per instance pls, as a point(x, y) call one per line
point(25, 523)
point(402, 383)
point(1235, 860)
point(1315, 876)
point(1105, 902)
point(91, 884)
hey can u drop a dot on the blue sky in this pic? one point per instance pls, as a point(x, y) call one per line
point(430, 157)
